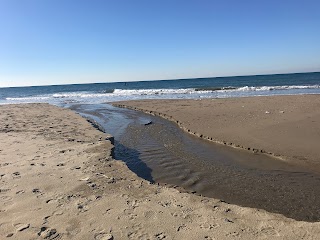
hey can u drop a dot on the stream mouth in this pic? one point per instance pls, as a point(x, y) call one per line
point(160, 152)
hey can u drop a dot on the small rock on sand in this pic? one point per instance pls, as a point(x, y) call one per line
point(85, 179)
point(148, 123)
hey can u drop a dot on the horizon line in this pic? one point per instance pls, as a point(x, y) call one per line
point(173, 79)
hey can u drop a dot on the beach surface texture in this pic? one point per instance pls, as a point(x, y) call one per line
point(58, 179)
point(286, 127)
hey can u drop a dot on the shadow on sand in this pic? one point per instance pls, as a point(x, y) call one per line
point(132, 159)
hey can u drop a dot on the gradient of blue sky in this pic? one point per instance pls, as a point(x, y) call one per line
point(45, 42)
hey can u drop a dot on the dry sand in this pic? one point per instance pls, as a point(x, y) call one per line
point(287, 127)
point(58, 181)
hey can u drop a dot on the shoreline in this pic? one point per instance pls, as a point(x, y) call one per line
point(58, 181)
point(188, 115)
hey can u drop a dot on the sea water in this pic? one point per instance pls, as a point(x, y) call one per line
point(217, 87)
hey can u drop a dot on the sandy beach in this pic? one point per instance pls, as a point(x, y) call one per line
point(58, 179)
point(286, 127)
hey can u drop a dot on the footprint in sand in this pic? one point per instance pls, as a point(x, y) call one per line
point(5, 199)
point(208, 238)
point(149, 214)
point(269, 231)
point(51, 201)
point(164, 203)
point(233, 234)
point(16, 175)
point(138, 232)
point(82, 207)
point(205, 200)
point(37, 192)
point(48, 233)
point(9, 235)
point(103, 236)
point(75, 168)
point(4, 190)
point(5, 164)
point(21, 226)
point(209, 226)
point(182, 227)
point(160, 236)
point(92, 185)
point(58, 213)
point(228, 220)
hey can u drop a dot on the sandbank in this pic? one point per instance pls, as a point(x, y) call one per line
point(286, 127)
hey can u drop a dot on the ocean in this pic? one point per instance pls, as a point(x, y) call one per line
point(216, 87)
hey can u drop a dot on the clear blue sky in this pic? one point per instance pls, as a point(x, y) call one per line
point(63, 41)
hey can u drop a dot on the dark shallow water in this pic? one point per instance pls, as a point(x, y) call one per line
point(163, 153)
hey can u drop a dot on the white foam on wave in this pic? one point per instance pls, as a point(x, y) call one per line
point(131, 94)
point(120, 92)
point(60, 95)
point(152, 91)
point(79, 95)
point(271, 88)
point(28, 98)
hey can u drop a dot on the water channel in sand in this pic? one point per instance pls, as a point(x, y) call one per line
point(161, 152)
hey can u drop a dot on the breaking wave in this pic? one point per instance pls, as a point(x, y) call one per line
point(207, 89)
point(133, 94)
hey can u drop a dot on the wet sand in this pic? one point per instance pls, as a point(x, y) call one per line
point(287, 127)
point(59, 181)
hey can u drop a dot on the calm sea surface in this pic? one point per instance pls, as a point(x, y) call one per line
point(219, 87)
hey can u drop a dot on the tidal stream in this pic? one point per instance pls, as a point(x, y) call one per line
point(162, 153)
